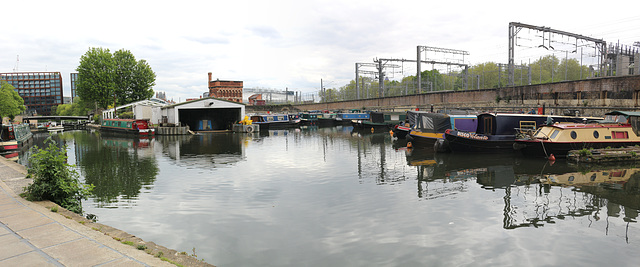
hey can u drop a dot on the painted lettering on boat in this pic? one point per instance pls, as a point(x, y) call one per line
point(472, 136)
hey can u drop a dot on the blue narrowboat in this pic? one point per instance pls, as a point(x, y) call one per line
point(346, 118)
point(274, 121)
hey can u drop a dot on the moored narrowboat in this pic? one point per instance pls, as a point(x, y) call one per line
point(430, 127)
point(127, 126)
point(496, 132)
point(309, 119)
point(274, 121)
point(14, 136)
point(346, 118)
point(618, 129)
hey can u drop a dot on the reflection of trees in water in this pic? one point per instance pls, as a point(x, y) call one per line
point(115, 166)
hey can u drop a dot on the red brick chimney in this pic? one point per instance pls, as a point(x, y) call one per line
point(209, 76)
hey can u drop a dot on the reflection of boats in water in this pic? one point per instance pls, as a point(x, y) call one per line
point(612, 177)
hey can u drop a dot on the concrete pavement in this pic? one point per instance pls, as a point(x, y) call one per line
point(32, 235)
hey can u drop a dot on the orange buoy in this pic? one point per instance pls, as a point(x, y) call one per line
point(409, 145)
point(552, 157)
point(391, 133)
point(372, 129)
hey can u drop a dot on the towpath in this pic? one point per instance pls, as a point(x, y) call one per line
point(33, 235)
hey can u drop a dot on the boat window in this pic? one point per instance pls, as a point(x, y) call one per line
point(574, 135)
point(527, 124)
point(571, 178)
point(596, 135)
point(619, 135)
point(128, 125)
point(554, 134)
point(593, 177)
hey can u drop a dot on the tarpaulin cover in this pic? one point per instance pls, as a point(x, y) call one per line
point(376, 117)
point(433, 122)
point(412, 115)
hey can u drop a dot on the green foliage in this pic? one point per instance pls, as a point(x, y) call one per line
point(584, 152)
point(134, 79)
point(634, 154)
point(96, 77)
point(79, 107)
point(104, 78)
point(54, 209)
point(54, 179)
point(11, 104)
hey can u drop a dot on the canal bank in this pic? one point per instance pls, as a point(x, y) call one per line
point(31, 234)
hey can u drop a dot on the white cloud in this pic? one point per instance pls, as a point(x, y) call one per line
point(278, 44)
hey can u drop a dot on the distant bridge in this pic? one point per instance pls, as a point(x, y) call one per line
point(54, 118)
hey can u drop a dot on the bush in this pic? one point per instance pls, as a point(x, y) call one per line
point(54, 179)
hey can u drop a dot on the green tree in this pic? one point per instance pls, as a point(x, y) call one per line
point(11, 104)
point(104, 78)
point(79, 107)
point(96, 77)
point(134, 79)
point(54, 179)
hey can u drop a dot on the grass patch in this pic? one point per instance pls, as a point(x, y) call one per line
point(141, 247)
point(130, 243)
point(170, 261)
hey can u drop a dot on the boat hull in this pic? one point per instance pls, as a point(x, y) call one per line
point(459, 141)
point(538, 148)
point(401, 131)
point(426, 140)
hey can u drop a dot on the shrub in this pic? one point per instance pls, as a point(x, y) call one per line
point(584, 152)
point(54, 179)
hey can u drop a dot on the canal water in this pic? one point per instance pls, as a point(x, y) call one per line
point(332, 197)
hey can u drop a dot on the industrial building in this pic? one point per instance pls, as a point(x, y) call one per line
point(40, 90)
point(227, 90)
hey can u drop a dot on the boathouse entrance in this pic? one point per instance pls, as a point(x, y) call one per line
point(205, 114)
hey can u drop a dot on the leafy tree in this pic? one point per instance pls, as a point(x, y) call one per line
point(54, 179)
point(11, 104)
point(79, 107)
point(134, 79)
point(96, 77)
point(104, 78)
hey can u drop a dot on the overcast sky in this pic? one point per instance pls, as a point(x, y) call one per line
point(290, 44)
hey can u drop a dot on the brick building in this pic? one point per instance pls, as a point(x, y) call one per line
point(40, 90)
point(226, 90)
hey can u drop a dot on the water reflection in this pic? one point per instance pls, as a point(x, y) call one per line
point(118, 166)
point(313, 196)
point(536, 192)
point(209, 150)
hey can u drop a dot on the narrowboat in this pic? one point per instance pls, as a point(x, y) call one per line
point(327, 120)
point(496, 132)
point(274, 121)
point(618, 129)
point(402, 129)
point(127, 126)
point(379, 121)
point(346, 118)
point(430, 127)
point(14, 136)
point(309, 119)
